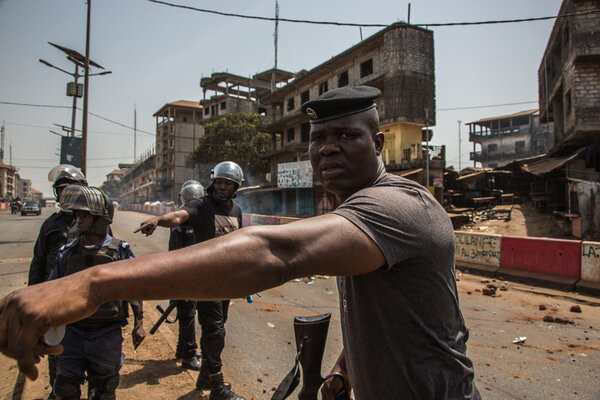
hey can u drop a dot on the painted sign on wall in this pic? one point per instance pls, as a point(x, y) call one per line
point(294, 175)
point(477, 248)
point(590, 261)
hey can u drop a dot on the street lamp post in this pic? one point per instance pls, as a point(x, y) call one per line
point(459, 149)
point(75, 89)
point(85, 94)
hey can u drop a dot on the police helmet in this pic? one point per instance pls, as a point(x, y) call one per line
point(63, 175)
point(228, 170)
point(191, 190)
point(91, 199)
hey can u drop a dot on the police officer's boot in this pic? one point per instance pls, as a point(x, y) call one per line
point(191, 363)
point(103, 390)
point(218, 390)
point(66, 389)
point(203, 382)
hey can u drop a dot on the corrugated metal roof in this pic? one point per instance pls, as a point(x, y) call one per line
point(546, 165)
point(406, 173)
point(534, 111)
point(475, 176)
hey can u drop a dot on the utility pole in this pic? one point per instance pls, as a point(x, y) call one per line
point(86, 87)
point(275, 42)
point(74, 89)
point(2, 143)
point(75, 95)
point(427, 146)
point(276, 36)
point(134, 133)
point(459, 141)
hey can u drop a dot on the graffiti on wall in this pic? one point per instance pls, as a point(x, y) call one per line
point(590, 250)
point(477, 248)
point(294, 175)
point(590, 261)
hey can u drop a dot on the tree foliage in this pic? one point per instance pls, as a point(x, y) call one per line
point(111, 188)
point(235, 137)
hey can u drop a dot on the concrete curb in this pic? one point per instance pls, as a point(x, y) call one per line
point(588, 287)
point(564, 283)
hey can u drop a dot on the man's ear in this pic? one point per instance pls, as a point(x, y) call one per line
point(379, 140)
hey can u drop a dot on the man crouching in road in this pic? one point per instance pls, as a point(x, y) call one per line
point(389, 242)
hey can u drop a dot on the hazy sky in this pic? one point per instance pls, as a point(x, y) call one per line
point(157, 54)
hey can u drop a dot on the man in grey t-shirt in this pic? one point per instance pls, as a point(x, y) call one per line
point(401, 323)
point(389, 242)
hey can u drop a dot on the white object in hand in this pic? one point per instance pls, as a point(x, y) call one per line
point(54, 335)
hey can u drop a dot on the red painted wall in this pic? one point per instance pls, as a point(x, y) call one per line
point(548, 256)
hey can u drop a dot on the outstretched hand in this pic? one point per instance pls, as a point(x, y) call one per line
point(28, 313)
point(147, 227)
point(138, 335)
point(22, 334)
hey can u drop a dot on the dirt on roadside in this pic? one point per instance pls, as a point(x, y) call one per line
point(524, 220)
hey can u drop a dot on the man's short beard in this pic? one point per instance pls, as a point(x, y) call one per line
point(221, 198)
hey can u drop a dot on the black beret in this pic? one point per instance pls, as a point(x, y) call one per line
point(341, 102)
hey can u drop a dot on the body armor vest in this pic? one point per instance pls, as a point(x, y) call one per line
point(182, 236)
point(80, 258)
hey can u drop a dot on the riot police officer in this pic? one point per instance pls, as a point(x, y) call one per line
point(213, 215)
point(54, 231)
point(92, 346)
point(183, 236)
point(52, 236)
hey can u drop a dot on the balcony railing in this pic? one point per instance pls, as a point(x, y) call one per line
point(508, 131)
point(496, 155)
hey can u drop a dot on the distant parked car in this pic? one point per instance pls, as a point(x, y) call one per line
point(31, 207)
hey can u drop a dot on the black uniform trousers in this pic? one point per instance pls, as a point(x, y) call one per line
point(212, 316)
point(186, 341)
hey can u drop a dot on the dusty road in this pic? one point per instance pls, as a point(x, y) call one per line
point(556, 360)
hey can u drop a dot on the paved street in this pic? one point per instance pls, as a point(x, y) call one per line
point(555, 361)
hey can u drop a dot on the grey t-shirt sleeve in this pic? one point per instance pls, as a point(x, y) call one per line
point(395, 218)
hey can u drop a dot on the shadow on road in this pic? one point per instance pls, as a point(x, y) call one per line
point(150, 373)
point(19, 385)
point(193, 395)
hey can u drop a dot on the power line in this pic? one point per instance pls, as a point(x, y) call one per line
point(120, 124)
point(89, 159)
point(11, 103)
point(304, 21)
point(51, 166)
point(488, 106)
point(77, 130)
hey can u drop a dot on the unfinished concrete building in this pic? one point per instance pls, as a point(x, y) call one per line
point(178, 130)
point(498, 141)
point(569, 76)
point(569, 95)
point(8, 182)
point(230, 94)
point(398, 60)
point(138, 183)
